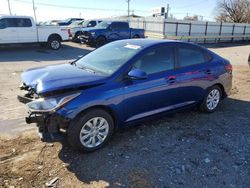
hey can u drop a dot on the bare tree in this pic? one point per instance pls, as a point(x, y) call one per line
point(237, 11)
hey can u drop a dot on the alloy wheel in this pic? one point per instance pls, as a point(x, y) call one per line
point(213, 99)
point(94, 132)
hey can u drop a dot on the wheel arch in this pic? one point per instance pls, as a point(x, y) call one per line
point(136, 36)
point(55, 35)
point(222, 89)
point(102, 107)
point(99, 36)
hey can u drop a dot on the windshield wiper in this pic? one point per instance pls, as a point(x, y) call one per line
point(72, 62)
point(87, 69)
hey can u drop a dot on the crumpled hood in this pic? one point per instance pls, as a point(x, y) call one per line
point(59, 77)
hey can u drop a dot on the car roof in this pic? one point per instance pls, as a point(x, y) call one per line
point(149, 42)
point(13, 16)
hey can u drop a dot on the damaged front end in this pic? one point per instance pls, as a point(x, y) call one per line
point(42, 110)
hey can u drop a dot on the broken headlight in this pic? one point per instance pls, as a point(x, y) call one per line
point(49, 104)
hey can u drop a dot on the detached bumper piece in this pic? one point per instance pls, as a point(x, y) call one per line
point(48, 126)
point(23, 99)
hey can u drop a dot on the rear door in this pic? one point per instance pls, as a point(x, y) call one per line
point(26, 32)
point(194, 73)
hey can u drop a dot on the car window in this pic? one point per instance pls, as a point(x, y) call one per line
point(2, 23)
point(157, 60)
point(119, 25)
point(92, 24)
point(190, 56)
point(8, 22)
point(23, 22)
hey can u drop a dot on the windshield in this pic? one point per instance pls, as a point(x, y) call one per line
point(108, 58)
point(76, 23)
point(85, 23)
point(103, 24)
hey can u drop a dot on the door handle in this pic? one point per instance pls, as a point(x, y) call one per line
point(171, 79)
point(207, 71)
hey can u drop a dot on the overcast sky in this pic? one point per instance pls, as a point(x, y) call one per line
point(61, 9)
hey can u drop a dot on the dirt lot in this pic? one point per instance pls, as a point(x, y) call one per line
point(188, 149)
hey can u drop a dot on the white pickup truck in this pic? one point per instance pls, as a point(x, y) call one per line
point(22, 29)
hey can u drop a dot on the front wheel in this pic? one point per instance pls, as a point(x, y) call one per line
point(212, 99)
point(91, 130)
point(100, 41)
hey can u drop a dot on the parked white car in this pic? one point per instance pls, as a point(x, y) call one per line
point(22, 29)
point(75, 29)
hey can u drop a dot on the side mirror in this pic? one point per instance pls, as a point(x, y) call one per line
point(137, 74)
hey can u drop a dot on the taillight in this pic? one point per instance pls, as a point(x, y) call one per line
point(229, 68)
point(69, 32)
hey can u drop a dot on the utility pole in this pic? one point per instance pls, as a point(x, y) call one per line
point(167, 11)
point(9, 6)
point(34, 9)
point(128, 1)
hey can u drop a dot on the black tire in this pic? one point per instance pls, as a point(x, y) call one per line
point(204, 107)
point(76, 39)
point(54, 43)
point(136, 37)
point(100, 41)
point(75, 127)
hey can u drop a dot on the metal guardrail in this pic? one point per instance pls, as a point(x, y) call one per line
point(217, 37)
point(195, 31)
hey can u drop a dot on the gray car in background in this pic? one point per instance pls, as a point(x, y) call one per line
point(75, 29)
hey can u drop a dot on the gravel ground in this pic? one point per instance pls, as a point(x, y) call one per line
point(188, 149)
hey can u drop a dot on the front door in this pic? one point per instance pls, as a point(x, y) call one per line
point(8, 32)
point(157, 92)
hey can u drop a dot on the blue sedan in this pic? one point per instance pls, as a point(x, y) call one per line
point(119, 85)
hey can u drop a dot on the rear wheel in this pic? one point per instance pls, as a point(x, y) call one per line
point(54, 43)
point(212, 99)
point(91, 130)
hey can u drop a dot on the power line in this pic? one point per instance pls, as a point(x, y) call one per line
point(78, 7)
point(89, 8)
point(189, 5)
point(69, 6)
